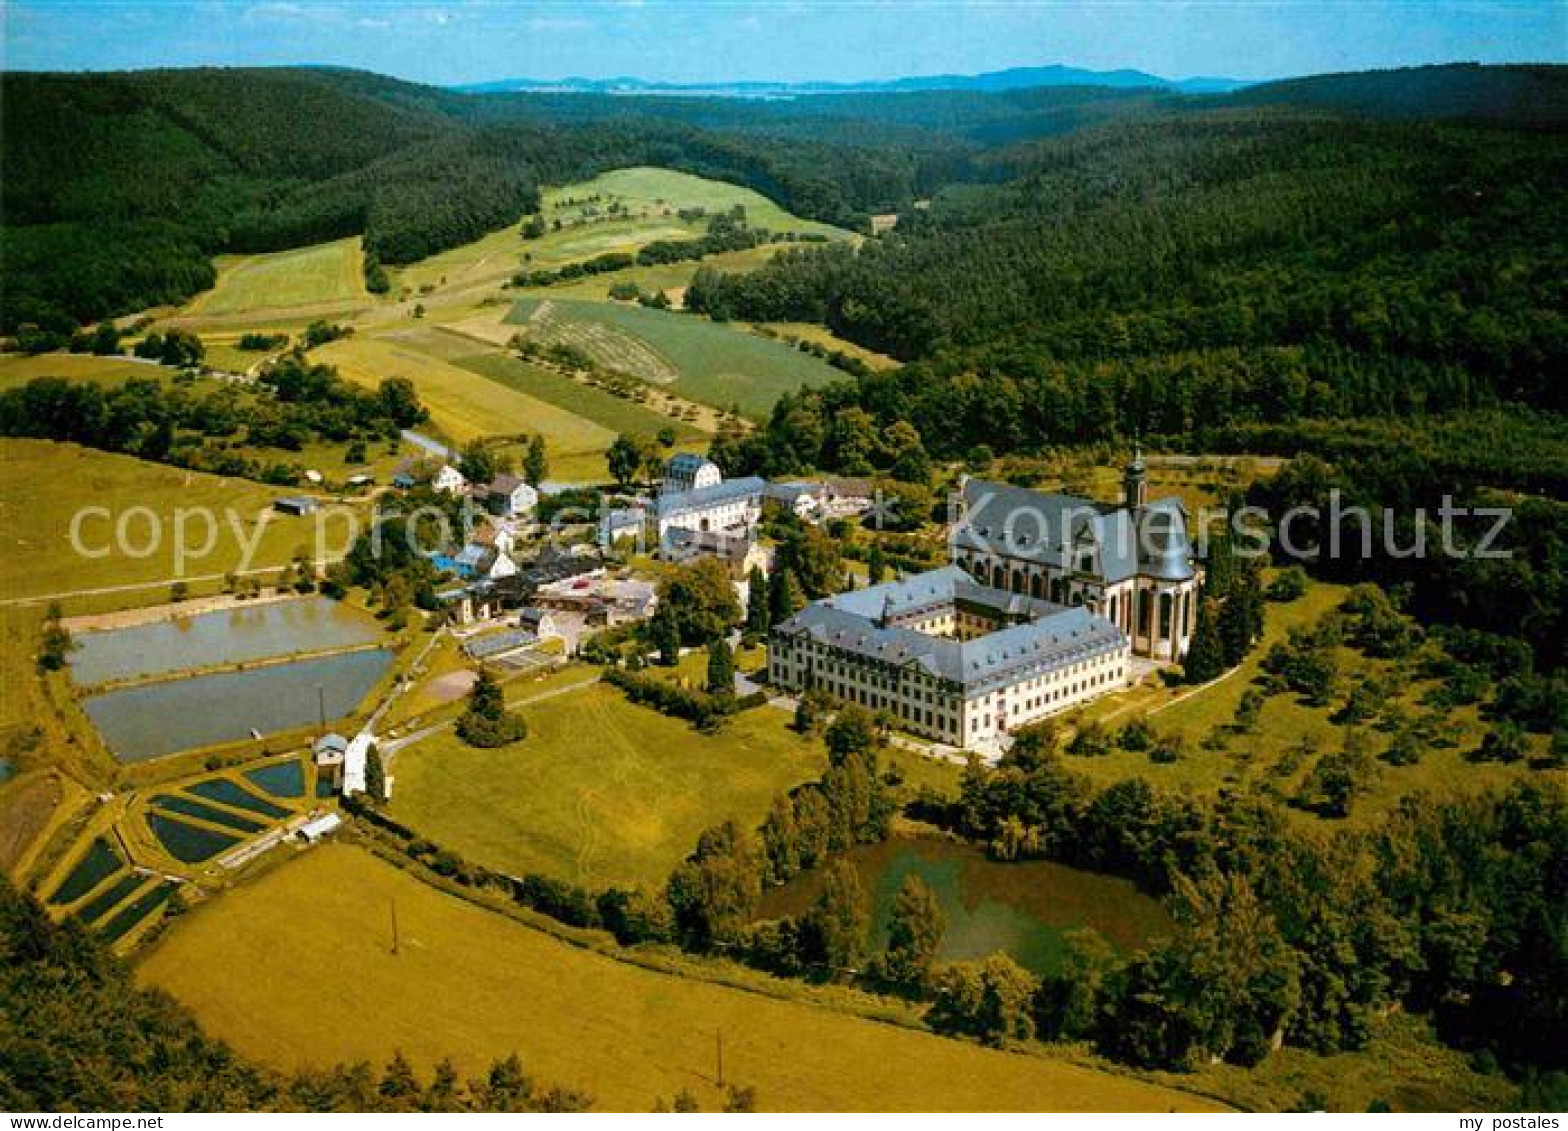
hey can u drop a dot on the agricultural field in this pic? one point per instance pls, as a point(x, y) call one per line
point(329, 276)
point(822, 336)
point(322, 984)
point(694, 357)
point(649, 190)
point(465, 404)
point(18, 369)
point(43, 485)
point(651, 199)
point(601, 792)
point(594, 404)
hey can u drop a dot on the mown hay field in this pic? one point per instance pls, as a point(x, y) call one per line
point(601, 792)
point(711, 363)
point(296, 969)
point(646, 188)
point(44, 484)
point(618, 414)
point(465, 404)
point(323, 273)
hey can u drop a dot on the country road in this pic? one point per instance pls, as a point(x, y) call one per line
point(392, 746)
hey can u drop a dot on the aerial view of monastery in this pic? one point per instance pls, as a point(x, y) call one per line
point(865, 557)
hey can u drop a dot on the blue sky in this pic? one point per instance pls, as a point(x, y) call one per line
point(697, 40)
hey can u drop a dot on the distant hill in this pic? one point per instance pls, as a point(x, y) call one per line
point(1519, 95)
point(1014, 78)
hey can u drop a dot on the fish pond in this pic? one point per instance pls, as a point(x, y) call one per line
point(1024, 909)
point(154, 719)
point(281, 779)
point(229, 636)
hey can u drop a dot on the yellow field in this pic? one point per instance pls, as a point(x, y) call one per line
point(18, 369)
point(320, 275)
point(464, 405)
point(44, 484)
point(296, 969)
point(601, 792)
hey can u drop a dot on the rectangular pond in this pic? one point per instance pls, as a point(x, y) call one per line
point(155, 719)
point(229, 636)
point(281, 779)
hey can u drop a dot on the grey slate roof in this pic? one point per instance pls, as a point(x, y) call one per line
point(1051, 529)
point(1054, 636)
point(704, 497)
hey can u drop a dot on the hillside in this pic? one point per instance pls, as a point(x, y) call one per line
point(169, 168)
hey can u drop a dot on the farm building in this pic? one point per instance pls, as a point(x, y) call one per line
point(318, 827)
point(542, 623)
point(355, 756)
point(298, 505)
point(448, 481)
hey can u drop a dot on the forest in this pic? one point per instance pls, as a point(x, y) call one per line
point(168, 168)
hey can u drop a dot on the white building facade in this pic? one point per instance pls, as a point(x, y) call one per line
point(952, 660)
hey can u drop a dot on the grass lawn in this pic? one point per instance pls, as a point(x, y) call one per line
point(464, 404)
point(321, 985)
point(703, 360)
point(597, 405)
point(44, 484)
point(305, 276)
point(601, 792)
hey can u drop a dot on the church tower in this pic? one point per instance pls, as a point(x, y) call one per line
point(1135, 483)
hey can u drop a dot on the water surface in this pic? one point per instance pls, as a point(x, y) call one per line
point(1024, 910)
point(155, 719)
point(229, 636)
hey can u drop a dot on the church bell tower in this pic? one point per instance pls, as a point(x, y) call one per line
point(1135, 482)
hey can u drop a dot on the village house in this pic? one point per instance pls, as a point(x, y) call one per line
point(509, 496)
point(448, 481)
point(688, 471)
point(327, 752)
point(740, 552)
point(543, 624)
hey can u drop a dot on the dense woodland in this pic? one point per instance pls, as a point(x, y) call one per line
point(176, 166)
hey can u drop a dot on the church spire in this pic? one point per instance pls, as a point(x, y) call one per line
point(1135, 483)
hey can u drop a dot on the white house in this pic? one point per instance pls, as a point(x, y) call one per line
point(449, 480)
point(510, 497)
point(688, 471)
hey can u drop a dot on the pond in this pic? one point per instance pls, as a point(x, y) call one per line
point(1023, 909)
point(149, 721)
point(7, 770)
point(229, 793)
point(96, 907)
point(190, 807)
point(187, 843)
point(229, 636)
point(282, 779)
point(96, 865)
point(137, 910)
